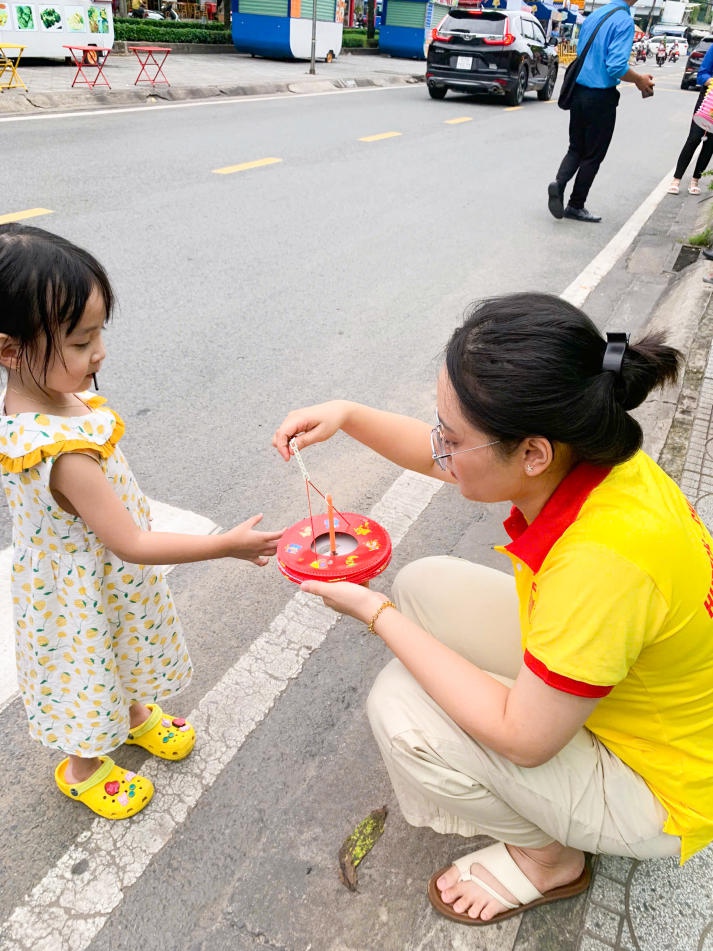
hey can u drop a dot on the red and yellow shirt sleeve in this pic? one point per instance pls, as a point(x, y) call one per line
point(588, 618)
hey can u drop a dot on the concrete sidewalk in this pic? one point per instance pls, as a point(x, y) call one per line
point(199, 76)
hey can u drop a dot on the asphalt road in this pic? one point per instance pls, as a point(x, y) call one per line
point(338, 270)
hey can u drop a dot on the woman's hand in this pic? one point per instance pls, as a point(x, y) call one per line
point(245, 543)
point(347, 598)
point(309, 425)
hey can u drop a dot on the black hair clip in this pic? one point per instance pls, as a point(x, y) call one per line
point(614, 352)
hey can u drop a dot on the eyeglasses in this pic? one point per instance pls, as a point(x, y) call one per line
point(439, 443)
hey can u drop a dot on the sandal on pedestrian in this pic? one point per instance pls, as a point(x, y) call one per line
point(673, 188)
point(498, 861)
point(694, 188)
point(111, 792)
point(163, 735)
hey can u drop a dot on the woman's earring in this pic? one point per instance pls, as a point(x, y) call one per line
point(529, 467)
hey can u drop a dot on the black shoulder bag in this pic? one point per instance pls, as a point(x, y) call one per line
point(570, 75)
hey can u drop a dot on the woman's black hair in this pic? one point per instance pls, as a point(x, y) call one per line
point(531, 365)
point(45, 282)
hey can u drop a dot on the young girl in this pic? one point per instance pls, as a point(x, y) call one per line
point(98, 643)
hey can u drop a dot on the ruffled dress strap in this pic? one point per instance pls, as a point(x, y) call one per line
point(28, 438)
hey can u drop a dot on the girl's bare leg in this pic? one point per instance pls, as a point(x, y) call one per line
point(80, 768)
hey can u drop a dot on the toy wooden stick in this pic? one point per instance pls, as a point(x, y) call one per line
point(330, 517)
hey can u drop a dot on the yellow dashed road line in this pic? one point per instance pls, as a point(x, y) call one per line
point(511, 108)
point(381, 135)
point(21, 215)
point(258, 163)
point(461, 119)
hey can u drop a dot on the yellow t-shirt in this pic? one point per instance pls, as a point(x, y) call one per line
point(615, 584)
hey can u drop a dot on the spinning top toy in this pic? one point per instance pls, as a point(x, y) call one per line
point(336, 546)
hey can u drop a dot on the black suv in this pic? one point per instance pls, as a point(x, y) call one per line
point(693, 63)
point(499, 52)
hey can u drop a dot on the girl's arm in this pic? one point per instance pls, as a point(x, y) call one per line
point(527, 723)
point(400, 439)
point(81, 488)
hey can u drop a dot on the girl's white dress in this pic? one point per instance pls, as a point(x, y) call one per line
point(93, 634)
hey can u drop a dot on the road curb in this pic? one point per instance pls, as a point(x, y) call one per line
point(27, 102)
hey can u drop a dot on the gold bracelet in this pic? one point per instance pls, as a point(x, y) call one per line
point(383, 606)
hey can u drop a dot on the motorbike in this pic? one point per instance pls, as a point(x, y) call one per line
point(661, 55)
point(673, 55)
point(640, 53)
point(166, 13)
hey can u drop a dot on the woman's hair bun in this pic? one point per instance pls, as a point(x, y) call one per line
point(532, 364)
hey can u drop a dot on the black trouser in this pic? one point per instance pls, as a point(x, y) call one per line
point(695, 134)
point(591, 126)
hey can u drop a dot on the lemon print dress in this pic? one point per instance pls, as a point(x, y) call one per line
point(93, 634)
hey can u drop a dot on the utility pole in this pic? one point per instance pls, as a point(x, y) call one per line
point(314, 38)
point(651, 16)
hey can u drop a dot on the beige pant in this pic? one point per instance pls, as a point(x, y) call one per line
point(584, 797)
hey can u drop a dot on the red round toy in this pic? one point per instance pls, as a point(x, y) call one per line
point(306, 552)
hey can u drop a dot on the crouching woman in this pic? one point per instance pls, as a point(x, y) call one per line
point(566, 708)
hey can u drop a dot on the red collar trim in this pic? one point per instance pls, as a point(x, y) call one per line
point(532, 543)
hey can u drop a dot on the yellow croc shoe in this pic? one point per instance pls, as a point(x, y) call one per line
point(163, 735)
point(111, 792)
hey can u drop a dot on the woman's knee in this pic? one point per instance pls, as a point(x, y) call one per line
point(443, 578)
point(416, 577)
point(470, 607)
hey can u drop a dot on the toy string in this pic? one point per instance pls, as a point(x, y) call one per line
point(308, 483)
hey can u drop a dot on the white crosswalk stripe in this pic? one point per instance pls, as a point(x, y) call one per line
point(117, 854)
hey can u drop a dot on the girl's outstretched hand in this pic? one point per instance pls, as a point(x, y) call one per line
point(346, 598)
point(244, 542)
point(309, 425)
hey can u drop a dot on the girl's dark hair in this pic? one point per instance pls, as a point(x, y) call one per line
point(531, 365)
point(45, 282)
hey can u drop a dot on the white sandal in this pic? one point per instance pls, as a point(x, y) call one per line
point(501, 865)
point(694, 187)
point(673, 188)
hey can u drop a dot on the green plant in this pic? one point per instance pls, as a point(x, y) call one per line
point(702, 239)
point(354, 37)
point(155, 31)
point(213, 25)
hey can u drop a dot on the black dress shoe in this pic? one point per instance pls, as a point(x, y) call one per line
point(554, 199)
point(707, 253)
point(581, 214)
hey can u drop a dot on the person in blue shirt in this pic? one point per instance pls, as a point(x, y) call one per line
point(593, 112)
point(695, 135)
